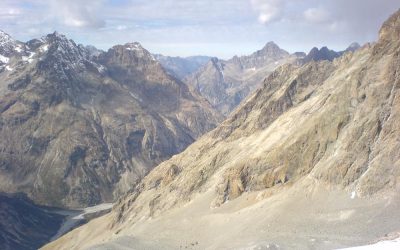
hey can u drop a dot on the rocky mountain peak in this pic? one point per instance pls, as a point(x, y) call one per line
point(134, 46)
point(129, 55)
point(314, 50)
point(5, 38)
point(353, 47)
point(271, 46)
point(271, 49)
point(62, 48)
point(269, 53)
point(7, 44)
point(58, 39)
point(137, 49)
point(322, 54)
point(55, 36)
point(60, 56)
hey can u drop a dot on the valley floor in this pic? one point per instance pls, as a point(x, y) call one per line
point(76, 217)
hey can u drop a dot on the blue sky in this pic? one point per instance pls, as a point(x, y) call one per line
point(208, 27)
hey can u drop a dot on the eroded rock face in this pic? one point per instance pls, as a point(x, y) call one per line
point(78, 128)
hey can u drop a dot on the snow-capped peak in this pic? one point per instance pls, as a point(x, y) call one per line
point(133, 46)
point(3, 59)
point(55, 37)
point(7, 44)
point(65, 48)
point(139, 51)
point(5, 38)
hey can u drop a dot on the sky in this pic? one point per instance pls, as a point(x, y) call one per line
point(222, 28)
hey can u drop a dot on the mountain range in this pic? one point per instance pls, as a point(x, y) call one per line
point(225, 83)
point(308, 161)
point(80, 126)
point(326, 54)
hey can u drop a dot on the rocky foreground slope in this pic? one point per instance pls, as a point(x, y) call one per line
point(79, 126)
point(309, 161)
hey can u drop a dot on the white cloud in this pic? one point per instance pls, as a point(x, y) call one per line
point(122, 27)
point(316, 15)
point(9, 10)
point(77, 13)
point(268, 10)
point(297, 25)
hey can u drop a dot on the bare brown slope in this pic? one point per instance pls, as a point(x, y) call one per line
point(309, 141)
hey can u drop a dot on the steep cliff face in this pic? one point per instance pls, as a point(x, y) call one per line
point(317, 145)
point(226, 83)
point(77, 129)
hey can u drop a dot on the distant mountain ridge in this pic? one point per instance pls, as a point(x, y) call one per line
point(326, 54)
point(225, 83)
point(181, 67)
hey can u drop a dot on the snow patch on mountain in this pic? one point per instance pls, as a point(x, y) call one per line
point(4, 59)
point(382, 245)
point(18, 49)
point(44, 48)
